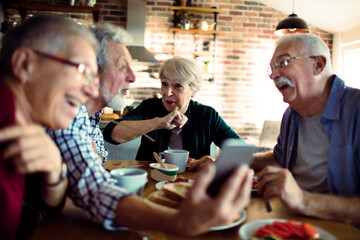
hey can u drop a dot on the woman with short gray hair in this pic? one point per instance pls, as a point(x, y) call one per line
point(175, 121)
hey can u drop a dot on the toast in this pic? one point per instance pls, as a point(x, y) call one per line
point(171, 195)
point(176, 191)
point(161, 198)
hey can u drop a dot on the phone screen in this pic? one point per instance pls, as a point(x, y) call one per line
point(234, 152)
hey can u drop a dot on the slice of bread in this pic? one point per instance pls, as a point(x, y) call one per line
point(161, 198)
point(171, 195)
point(177, 191)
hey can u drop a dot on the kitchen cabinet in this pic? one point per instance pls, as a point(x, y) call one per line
point(202, 50)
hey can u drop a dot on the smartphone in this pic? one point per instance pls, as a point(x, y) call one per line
point(234, 152)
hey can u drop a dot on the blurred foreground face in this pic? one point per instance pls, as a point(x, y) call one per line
point(55, 90)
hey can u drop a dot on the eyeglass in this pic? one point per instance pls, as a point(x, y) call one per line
point(284, 62)
point(82, 68)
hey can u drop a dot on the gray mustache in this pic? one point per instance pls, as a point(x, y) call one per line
point(282, 81)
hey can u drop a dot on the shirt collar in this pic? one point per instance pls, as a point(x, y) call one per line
point(332, 109)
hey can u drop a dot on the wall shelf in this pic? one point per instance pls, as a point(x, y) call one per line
point(194, 31)
point(203, 56)
point(24, 7)
point(194, 53)
point(55, 7)
point(196, 10)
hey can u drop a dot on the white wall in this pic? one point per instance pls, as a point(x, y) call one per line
point(343, 41)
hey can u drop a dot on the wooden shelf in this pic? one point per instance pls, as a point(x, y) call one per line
point(196, 10)
point(178, 12)
point(195, 53)
point(55, 7)
point(195, 31)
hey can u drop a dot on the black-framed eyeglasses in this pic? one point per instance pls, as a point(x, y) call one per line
point(82, 68)
point(284, 62)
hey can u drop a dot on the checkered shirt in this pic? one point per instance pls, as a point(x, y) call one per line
point(89, 185)
point(97, 135)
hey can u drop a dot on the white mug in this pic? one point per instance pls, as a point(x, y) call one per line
point(177, 157)
point(132, 179)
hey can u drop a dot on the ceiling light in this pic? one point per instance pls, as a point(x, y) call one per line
point(292, 24)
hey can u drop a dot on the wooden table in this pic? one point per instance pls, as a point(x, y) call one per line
point(72, 223)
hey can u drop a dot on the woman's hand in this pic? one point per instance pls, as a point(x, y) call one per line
point(175, 119)
point(30, 150)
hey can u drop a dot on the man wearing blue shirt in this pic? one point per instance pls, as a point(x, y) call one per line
point(315, 165)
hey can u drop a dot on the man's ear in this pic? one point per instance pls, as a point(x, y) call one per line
point(22, 62)
point(320, 63)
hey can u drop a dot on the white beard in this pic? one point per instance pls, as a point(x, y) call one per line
point(116, 102)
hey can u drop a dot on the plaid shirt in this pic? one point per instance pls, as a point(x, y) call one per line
point(97, 135)
point(89, 185)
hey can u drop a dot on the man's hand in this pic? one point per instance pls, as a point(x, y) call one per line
point(199, 212)
point(276, 181)
point(175, 119)
point(30, 150)
point(197, 165)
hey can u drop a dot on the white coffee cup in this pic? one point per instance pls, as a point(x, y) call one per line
point(132, 179)
point(177, 157)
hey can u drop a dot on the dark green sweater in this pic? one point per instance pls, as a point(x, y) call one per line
point(203, 127)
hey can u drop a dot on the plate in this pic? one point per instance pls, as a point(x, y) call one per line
point(240, 220)
point(248, 229)
point(161, 184)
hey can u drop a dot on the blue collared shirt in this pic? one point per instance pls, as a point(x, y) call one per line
point(341, 122)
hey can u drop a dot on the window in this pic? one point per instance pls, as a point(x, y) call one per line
point(351, 66)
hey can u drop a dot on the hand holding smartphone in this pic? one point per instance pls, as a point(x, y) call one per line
point(234, 152)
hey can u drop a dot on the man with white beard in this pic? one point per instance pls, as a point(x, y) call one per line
point(315, 166)
point(116, 77)
point(90, 185)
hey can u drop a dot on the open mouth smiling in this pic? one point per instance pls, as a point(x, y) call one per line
point(73, 102)
point(282, 86)
point(283, 83)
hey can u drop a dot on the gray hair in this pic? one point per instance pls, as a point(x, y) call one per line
point(312, 44)
point(182, 70)
point(104, 33)
point(48, 33)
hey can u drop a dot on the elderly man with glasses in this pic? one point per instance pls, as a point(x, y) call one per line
point(315, 165)
point(47, 70)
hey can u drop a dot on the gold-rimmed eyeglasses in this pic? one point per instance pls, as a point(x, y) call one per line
point(284, 62)
point(82, 68)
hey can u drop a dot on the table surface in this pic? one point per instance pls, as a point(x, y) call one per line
point(72, 223)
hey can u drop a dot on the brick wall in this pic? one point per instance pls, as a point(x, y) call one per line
point(241, 92)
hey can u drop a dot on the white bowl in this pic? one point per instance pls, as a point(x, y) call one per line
point(162, 174)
